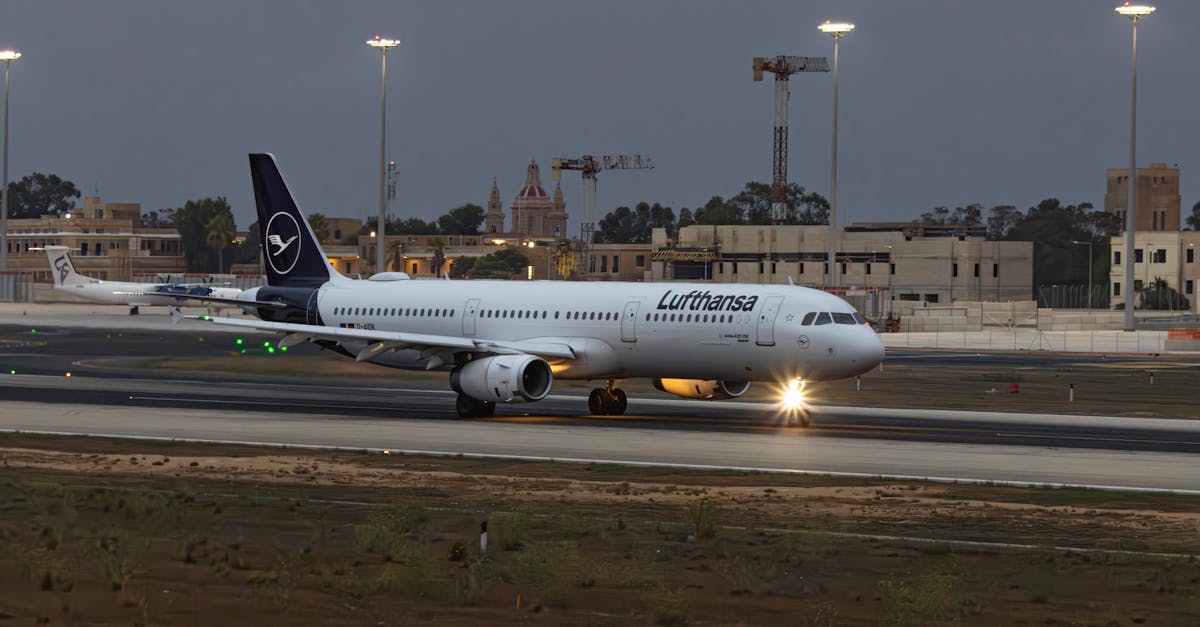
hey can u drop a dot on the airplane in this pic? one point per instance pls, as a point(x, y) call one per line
point(67, 280)
point(507, 341)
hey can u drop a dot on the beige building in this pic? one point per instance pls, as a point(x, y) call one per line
point(1171, 256)
point(897, 266)
point(1158, 200)
point(107, 240)
point(619, 262)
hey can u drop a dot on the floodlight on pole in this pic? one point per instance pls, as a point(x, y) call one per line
point(382, 45)
point(1134, 12)
point(7, 57)
point(835, 30)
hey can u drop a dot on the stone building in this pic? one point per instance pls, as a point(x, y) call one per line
point(1158, 200)
point(534, 212)
point(106, 239)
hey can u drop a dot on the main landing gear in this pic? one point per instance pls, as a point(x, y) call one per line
point(609, 400)
point(469, 407)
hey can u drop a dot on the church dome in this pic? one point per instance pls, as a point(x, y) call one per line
point(533, 183)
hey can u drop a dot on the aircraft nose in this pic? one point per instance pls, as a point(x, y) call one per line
point(868, 350)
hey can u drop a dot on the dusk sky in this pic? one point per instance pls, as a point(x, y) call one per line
point(942, 103)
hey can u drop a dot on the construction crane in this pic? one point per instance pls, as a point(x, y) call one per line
point(588, 167)
point(783, 67)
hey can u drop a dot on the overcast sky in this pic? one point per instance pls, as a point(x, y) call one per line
point(942, 103)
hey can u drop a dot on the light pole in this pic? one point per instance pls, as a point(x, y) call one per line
point(835, 30)
point(1089, 245)
point(1134, 12)
point(7, 56)
point(383, 45)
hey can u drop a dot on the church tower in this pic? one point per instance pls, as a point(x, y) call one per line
point(556, 221)
point(493, 220)
point(532, 206)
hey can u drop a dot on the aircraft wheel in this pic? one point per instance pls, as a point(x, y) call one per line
point(597, 404)
point(474, 408)
point(619, 402)
point(805, 417)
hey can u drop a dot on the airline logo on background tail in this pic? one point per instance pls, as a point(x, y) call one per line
point(63, 266)
point(282, 232)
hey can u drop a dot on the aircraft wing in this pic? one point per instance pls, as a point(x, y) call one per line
point(382, 341)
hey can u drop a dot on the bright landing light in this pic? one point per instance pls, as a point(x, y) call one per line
point(793, 396)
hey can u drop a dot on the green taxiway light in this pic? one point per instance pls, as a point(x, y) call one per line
point(266, 345)
point(271, 350)
point(33, 330)
point(283, 348)
point(12, 372)
point(238, 341)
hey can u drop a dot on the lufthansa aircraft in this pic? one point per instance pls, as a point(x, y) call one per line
point(506, 341)
point(66, 279)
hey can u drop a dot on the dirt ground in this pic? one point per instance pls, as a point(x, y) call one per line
point(100, 531)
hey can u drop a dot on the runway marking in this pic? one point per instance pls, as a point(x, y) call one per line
point(615, 462)
point(1092, 438)
point(271, 404)
point(939, 356)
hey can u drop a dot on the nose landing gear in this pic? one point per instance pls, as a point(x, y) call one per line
point(608, 401)
point(795, 410)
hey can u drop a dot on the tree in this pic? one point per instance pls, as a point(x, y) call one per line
point(1161, 297)
point(437, 246)
point(249, 251)
point(502, 264)
point(1053, 228)
point(621, 226)
point(412, 226)
point(685, 218)
point(316, 221)
point(971, 215)
point(192, 221)
point(1193, 221)
point(464, 220)
point(1001, 220)
point(220, 232)
point(755, 200)
point(40, 194)
point(566, 259)
point(717, 211)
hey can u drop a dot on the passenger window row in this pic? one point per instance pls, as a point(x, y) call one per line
point(719, 318)
point(407, 312)
point(825, 317)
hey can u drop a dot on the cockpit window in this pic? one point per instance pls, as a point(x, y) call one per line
point(808, 318)
point(859, 319)
point(823, 318)
point(843, 318)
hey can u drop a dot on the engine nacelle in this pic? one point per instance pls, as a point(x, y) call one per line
point(504, 379)
point(702, 388)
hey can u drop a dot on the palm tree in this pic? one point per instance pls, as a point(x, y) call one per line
point(565, 258)
point(437, 246)
point(220, 233)
point(396, 257)
point(317, 222)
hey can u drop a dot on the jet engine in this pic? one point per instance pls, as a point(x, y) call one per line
point(702, 389)
point(504, 379)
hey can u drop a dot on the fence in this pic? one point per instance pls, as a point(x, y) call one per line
point(16, 287)
point(1073, 296)
point(1026, 339)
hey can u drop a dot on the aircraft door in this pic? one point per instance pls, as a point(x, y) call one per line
point(468, 321)
point(629, 322)
point(766, 320)
point(311, 314)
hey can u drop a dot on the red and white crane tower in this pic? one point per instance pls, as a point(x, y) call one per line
point(783, 67)
point(589, 167)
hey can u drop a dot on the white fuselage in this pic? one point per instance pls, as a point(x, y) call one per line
point(132, 294)
point(664, 330)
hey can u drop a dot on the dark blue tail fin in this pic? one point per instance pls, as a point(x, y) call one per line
point(293, 258)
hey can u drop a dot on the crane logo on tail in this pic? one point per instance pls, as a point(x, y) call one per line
point(282, 232)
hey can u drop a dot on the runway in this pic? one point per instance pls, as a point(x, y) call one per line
point(418, 414)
